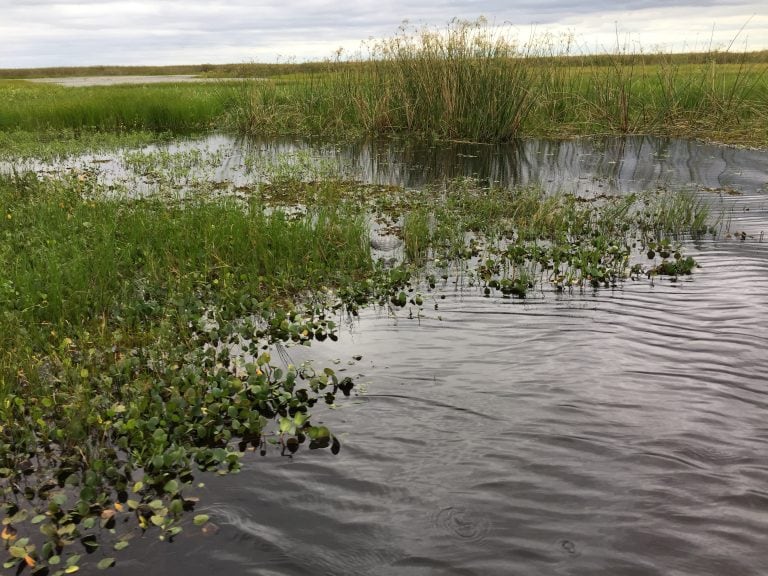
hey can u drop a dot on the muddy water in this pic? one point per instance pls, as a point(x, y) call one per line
point(618, 432)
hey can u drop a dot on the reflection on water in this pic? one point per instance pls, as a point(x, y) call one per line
point(737, 177)
point(578, 166)
point(623, 164)
point(621, 432)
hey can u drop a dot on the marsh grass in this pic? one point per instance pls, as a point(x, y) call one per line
point(55, 144)
point(118, 318)
point(157, 108)
point(70, 257)
point(135, 333)
point(514, 240)
point(467, 81)
point(473, 81)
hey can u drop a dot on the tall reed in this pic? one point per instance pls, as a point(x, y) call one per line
point(474, 81)
point(467, 81)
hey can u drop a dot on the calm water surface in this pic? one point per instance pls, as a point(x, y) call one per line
point(623, 432)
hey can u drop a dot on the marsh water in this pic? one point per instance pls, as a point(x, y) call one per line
point(616, 432)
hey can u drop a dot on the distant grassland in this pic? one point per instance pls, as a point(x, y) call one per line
point(268, 70)
point(181, 108)
point(466, 82)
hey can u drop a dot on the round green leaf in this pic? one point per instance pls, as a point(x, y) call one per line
point(201, 519)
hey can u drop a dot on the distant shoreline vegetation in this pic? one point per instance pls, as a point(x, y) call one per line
point(469, 81)
point(267, 70)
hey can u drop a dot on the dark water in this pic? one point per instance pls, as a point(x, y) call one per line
point(623, 432)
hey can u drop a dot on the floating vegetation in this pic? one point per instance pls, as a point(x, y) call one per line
point(137, 335)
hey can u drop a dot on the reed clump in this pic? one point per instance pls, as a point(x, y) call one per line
point(473, 81)
point(467, 81)
point(464, 82)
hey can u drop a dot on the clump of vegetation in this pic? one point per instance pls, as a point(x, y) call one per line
point(119, 320)
point(512, 241)
point(137, 334)
point(467, 81)
point(472, 81)
point(177, 108)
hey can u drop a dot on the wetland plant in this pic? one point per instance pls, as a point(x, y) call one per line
point(136, 335)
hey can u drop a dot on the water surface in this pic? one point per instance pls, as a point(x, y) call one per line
point(618, 432)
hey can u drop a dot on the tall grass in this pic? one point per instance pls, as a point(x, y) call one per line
point(463, 82)
point(471, 81)
point(468, 81)
point(168, 107)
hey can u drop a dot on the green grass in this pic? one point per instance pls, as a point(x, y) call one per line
point(69, 259)
point(136, 333)
point(468, 81)
point(111, 312)
point(52, 144)
point(473, 82)
point(177, 108)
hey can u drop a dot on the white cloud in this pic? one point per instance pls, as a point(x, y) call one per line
point(60, 32)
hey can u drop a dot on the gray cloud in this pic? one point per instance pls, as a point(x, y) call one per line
point(82, 32)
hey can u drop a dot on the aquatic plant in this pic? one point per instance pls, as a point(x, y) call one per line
point(137, 335)
point(470, 80)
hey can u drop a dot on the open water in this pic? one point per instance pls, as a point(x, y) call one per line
point(620, 433)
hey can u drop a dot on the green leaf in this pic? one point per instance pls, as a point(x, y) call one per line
point(121, 545)
point(285, 424)
point(17, 551)
point(201, 519)
point(105, 563)
point(317, 432)
point(72, 560)
point(19, 517)
point(39, 518)
point(171, 487)
point(59, 499)
point(300, 418)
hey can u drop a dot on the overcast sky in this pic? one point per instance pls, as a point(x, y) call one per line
point(35, 33)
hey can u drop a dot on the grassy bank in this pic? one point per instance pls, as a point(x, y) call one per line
point(466, 82)
point(472, 82)
point(269, 70)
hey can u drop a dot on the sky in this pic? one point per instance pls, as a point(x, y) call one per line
point(41, 33)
